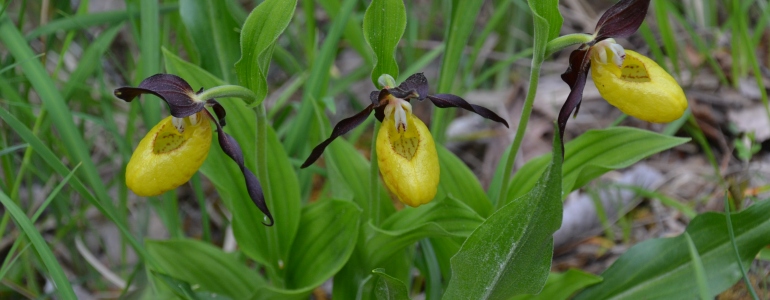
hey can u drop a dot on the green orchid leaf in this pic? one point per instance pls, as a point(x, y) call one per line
point(510, 253)
point(349, 177)
point(180, 288)
point(663, 268)
point(258, 36)
point(284, 198)
point(563, 285)
point(389, 287)
point(443, 218)
point(327, 236)
point(592, 154)
point(204, 265)
point(324, 243)
point(214, 32)
point(458, 181)
point(384, 24)
point(547, 11)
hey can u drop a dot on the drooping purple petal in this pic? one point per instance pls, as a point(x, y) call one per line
point(416, 86)
point(219, 110)
point(449, 100)
point(233, 150)
point(175, 91)
point(575, 77)
point(341, 128)
point(622, 19)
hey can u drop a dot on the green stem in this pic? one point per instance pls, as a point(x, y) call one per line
point(534, 76)
point(237, 91)
point(565, 41)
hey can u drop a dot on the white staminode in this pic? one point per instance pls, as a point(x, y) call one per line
point(398, 108)
point(179, 123)
point(194, 119)
point(609, 45)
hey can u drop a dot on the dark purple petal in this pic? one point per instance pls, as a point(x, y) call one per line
point(341, 128)
point(171, 88)
point(379, 102)
point(575, 77)
point(622, 19)
point(233, 150)
point(416, 86)
point(219, 110)
point(449, 100)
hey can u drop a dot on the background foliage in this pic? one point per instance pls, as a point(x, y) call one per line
point(71, 229)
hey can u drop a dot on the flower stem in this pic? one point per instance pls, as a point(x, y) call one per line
point(534, 77)
point(565, 41)
point(237, 91)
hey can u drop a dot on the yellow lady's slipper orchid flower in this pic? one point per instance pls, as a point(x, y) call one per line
point(177, 146)
point(406, 155)
point(639, 88)
point(406, 152)
point(181, 147)
point(628, 80)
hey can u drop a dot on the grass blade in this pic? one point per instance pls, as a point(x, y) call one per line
point(54, 269)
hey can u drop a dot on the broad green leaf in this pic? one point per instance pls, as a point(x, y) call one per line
point(202, 264)
point(699, 270)
point(563, 285)
point(384, 24)
point(463, 17)
point(663, 268)
point(180, 288)
point(592, 154)
point(510, 253)
point(258, 36)
point(444, 218)
point(213, 30)
point(349, 177)
point(255, 239)
point(55, 270)
point(548, 10)
point(388, 287)
point(458, 181)
point(327, 236)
